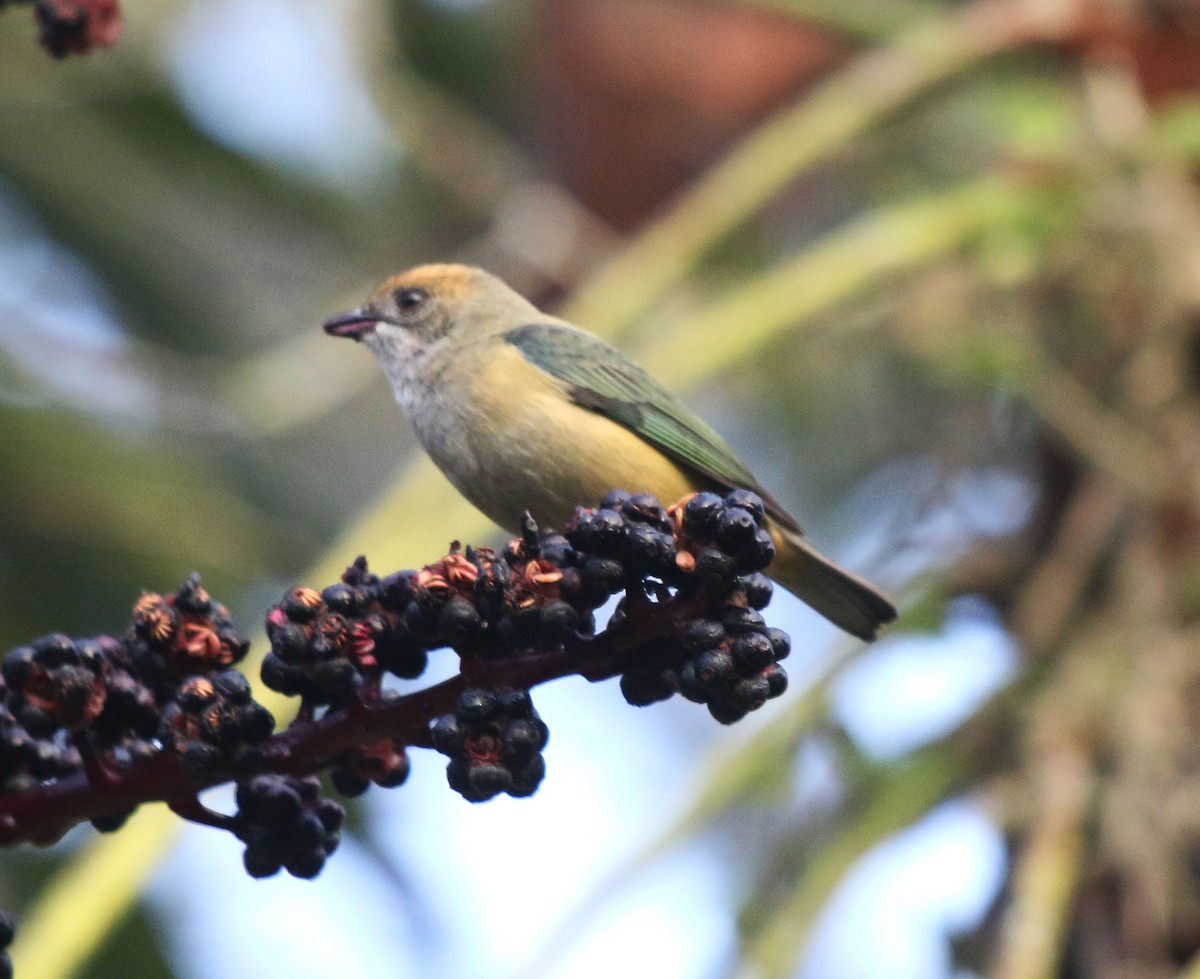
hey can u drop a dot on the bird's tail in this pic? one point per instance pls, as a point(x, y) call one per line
point(842, 597)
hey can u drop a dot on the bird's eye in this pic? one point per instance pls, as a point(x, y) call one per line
point(410, 298)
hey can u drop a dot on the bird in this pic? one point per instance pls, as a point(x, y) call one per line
point(524, 412)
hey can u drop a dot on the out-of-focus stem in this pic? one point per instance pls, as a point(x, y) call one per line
point(1047, 872)
point(903, 796)
point(844, 264)
point(820, 123)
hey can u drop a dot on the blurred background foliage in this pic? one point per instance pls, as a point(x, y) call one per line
point(933, 267)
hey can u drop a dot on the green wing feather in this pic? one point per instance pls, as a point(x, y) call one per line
point(601, 379)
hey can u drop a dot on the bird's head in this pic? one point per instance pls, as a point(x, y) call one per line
point(432, 306)
point(420, 323)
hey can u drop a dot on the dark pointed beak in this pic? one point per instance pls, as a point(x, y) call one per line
point(355, 324)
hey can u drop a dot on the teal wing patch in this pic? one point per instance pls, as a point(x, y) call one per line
point(601, 379)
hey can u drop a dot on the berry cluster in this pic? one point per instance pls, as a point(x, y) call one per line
point(50, 689)
point(333, 646)
point(102, 705)
point(384, 763)
point(285, 822)
point(75, 26)
point(732, 661)
point(160, 713)
point(215, 725)
point(705, 543)
point(180, 635)
point(494, 740)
